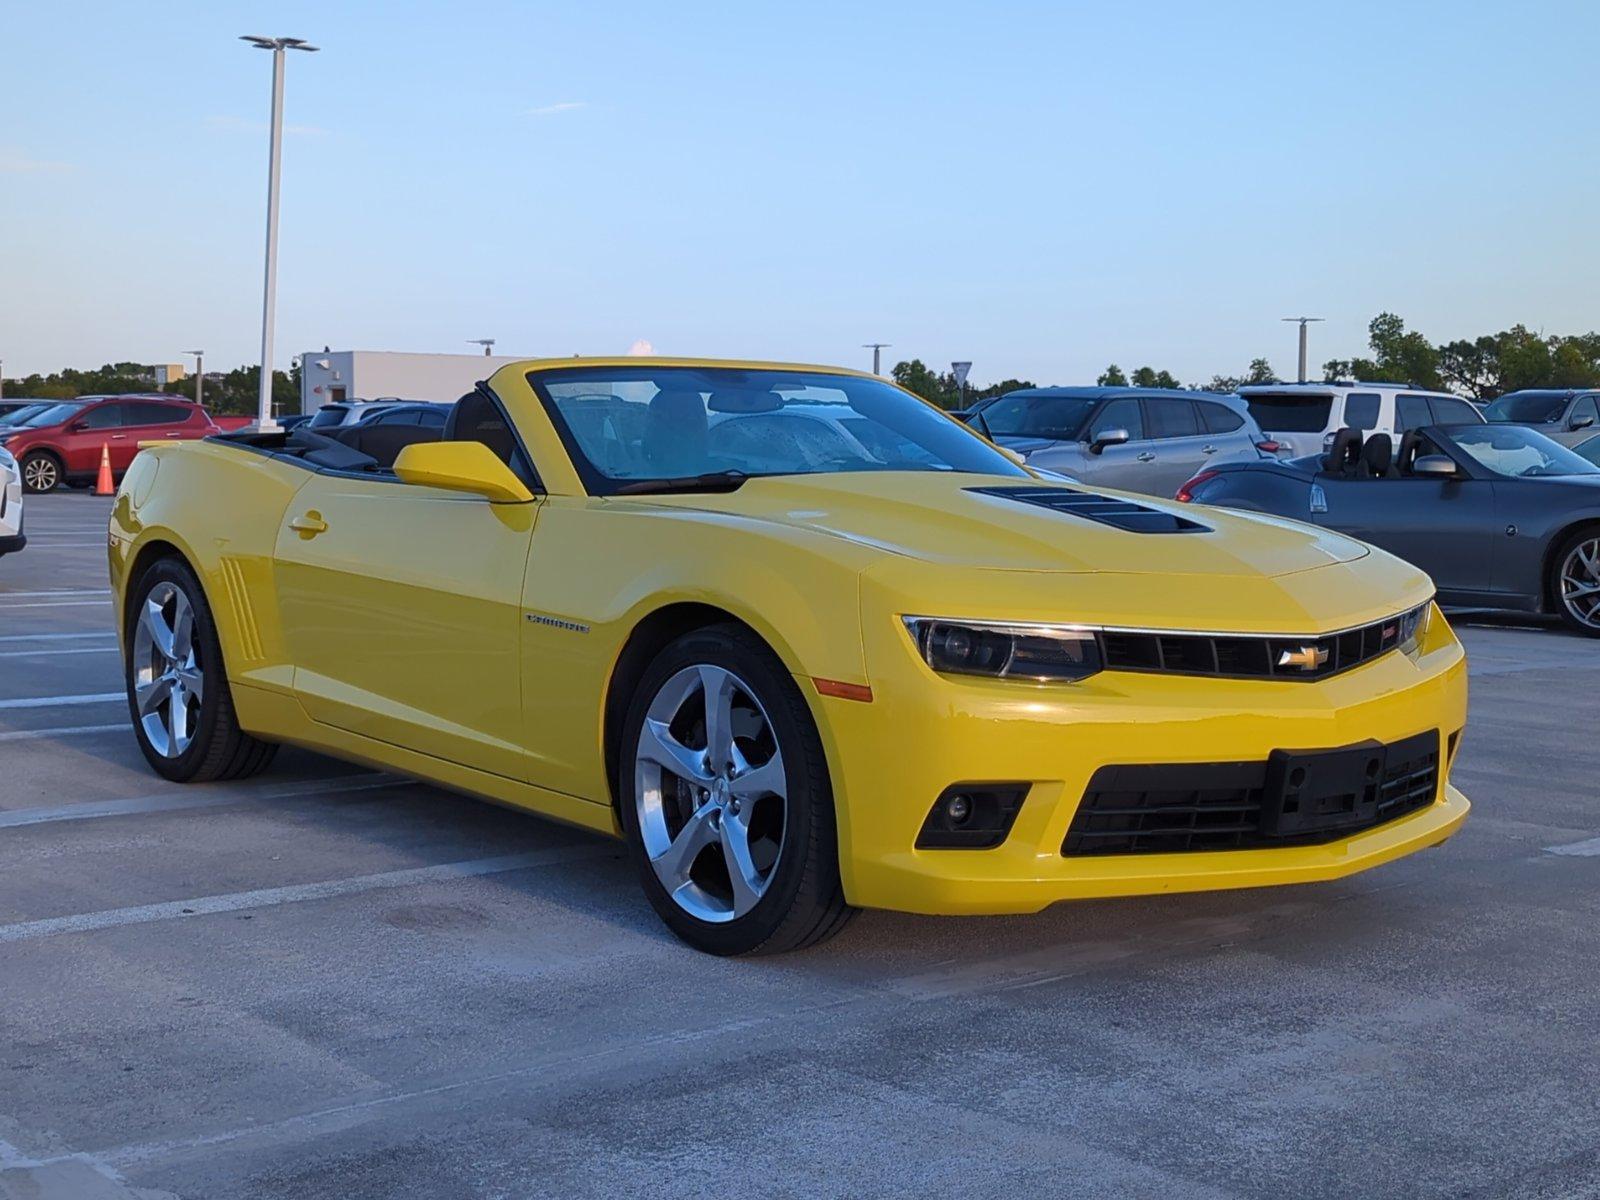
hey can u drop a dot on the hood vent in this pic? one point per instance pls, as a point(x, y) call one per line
point(1108, 510)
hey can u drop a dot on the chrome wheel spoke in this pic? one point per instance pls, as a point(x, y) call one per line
point(193, 681)
point(1580, 583)
point(150, 695)
point(657, 745)
point(178, 719)
point(751, 783)
point(718, 687)
point(182, 628)
point(672, 865)
point(742, 874)
point(154, 619)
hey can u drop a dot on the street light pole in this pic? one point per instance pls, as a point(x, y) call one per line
point(199, 374)
point(1304, 321)
point(486, 343)
point(269, 299)
point(875, 347)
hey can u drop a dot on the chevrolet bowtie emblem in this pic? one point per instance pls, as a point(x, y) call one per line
point(1306, 658)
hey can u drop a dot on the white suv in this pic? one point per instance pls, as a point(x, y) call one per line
point(1305, 416)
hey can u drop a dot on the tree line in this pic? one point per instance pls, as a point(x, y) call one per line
point(235, 391)
point(1479, 368)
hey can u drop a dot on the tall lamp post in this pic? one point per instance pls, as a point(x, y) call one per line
point(486, 343)
point(269, 299)
point(199, 375)
point(876, 348)
point(1303, 321)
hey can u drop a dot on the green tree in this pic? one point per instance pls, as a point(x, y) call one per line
point(1399, 356)
point(1147, 377)
point(1112, 376)
point(1260, 371)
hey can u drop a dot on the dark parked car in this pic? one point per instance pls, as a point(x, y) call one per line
point(415, 412)
point(1567, 416)
point(63, 443)
point(1499, 515)
point(1142, 439)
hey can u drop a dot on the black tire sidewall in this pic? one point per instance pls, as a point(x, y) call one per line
point(186, 765)
point(1568, 545)
point(808, 814)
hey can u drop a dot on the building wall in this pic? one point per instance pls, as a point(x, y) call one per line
point(369, 374)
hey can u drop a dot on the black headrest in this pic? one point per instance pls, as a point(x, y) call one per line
point(1410, 443)
point(452, 417)
point(1345, 452)
point(1377, 454)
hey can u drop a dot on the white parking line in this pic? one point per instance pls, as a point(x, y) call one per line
point(1585, 849)
point(63, 701)
point(28, 735)
point(56, 594)
point(143, 914)
point(192, 799)
point(53, 637)
point(55, 604)
point(54, 652)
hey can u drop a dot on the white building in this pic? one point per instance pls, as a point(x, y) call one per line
point(332, 375)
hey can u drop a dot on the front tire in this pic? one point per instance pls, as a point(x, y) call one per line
point(726, 802)
point(1575, 581)
point(178, 695)
point(41, 472)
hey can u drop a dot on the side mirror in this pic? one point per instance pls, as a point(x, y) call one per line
point(1582, 422)
point(1435, 466)
point(461, 467)
point(77, 426)
point(1108, 437)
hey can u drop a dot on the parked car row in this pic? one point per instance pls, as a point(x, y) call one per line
point(62, 442)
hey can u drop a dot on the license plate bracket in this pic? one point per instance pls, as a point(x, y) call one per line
point(1318, 791)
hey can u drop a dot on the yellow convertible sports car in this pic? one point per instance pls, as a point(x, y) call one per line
point(802, 640)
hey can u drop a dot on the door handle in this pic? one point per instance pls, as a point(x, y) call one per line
point(119, 437)
point(1208, 449)
point(1146, 456)
point(309, 525)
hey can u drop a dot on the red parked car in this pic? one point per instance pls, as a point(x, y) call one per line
point(62, 444)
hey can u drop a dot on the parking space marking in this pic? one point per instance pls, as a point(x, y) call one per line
point(1585, 849)
point(28, 735)
point(55, 652)
point(63, 701)
point(55, 604)
point(144, 914)
point(53, 637)
point(56, 594)
point(182, 801)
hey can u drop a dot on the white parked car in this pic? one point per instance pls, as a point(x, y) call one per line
point(12, 538)
point(1305, 416)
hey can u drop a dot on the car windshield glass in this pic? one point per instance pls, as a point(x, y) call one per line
point(1589, 451)
point(18, 416)
point(1290, 412)
point(1059, 418)
point(53, 415)
point(627, 427)
point(1520, 453)
point(1532, 408)
point(328, 414)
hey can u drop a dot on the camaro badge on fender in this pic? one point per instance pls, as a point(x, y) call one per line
point(557, 623)
point(1306, 658)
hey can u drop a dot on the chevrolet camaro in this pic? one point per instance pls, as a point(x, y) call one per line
point(798, 672)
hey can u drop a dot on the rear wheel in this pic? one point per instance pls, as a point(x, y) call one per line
point(178, 692)
point(726, 801)
point(41, 472)
point(1575, 581)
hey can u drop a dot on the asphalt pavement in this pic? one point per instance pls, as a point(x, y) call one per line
point(329, 982)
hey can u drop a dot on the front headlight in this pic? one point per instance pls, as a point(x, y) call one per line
point(1043, 653)
point(1413, 625)
point(5, 456)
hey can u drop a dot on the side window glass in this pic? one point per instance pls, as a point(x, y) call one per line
point(1171, 418)
point(1119, 414)
point(1411, 412)
point(153, 414)
point(1586, 407)
point(1361, 410)
point(107, 416)
point(1454, 412)
point(431, 420)
point(1219, 418)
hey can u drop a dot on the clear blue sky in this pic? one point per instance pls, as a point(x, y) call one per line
point(1042, 188)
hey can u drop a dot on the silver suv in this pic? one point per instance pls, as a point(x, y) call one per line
point(1150, 440)
point(1567, 416)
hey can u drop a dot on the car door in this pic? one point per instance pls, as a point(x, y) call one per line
point(1130, 465)
point(1181, 447)
point(1446, 527)
point(144, 421)
point(402, 609)
point(1229, 436)
point(1581, 421)
point(99, 428)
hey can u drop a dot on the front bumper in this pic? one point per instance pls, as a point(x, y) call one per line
point(923, 733)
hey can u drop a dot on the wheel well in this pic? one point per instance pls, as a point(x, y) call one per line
point(649, 637)
point(45, 452)
point(149, 554)
point(1546, 582)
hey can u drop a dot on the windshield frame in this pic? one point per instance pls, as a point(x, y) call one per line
point(598, 483)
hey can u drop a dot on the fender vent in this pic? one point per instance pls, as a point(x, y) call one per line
point(1108, 510)
point(244, 617)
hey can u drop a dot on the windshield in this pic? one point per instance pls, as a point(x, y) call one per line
point(628, 428)
point(1290, 412)
point(1059, 418)
point(18, 415)
point(1519, 453)
point(328, 414)
point(1528, 408)
point(55, 414)
point(1589, 451)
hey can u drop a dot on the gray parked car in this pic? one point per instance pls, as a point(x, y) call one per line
point(1140, 439)
point(1568, 417)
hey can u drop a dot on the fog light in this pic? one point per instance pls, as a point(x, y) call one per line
point(972, 816)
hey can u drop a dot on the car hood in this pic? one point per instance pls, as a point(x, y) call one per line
point(939, 518)
point(1028, 445)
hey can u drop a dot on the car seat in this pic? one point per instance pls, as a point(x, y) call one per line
point(383, 443)
point(1410, 445)
point(1344, 456)
point(474, 418)
point(676, 433)
point(1377, 456)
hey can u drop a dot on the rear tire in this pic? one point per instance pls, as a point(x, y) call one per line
point(178, 695)
point(741, 855)
point(1574, 571)
point(41, 472)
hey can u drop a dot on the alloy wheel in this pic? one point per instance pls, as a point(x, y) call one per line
point(1580, 583)
point(40, 474)
point(710, 791)
point(168, 681)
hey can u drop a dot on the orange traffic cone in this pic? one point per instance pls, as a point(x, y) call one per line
point(102, 485)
